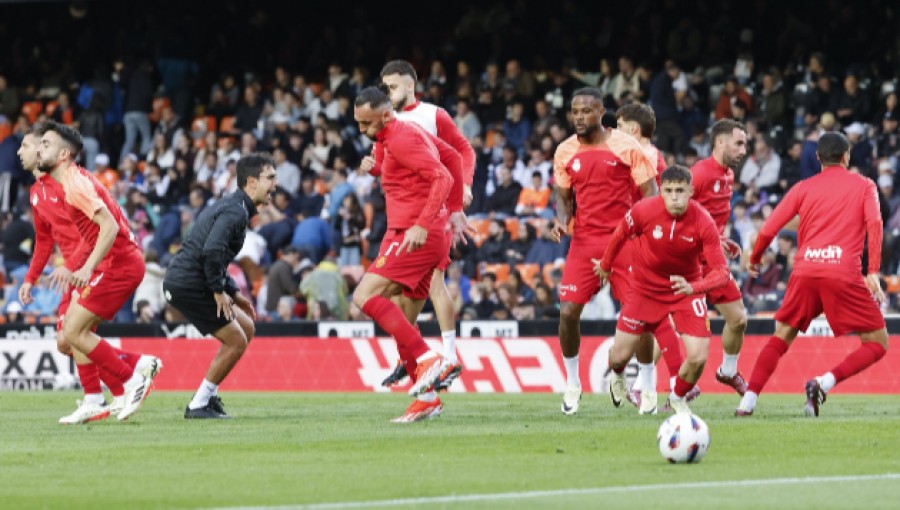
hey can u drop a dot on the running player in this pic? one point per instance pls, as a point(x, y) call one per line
point(600, 167)
point(713, 180)
point(838, 211)
point(671, 233)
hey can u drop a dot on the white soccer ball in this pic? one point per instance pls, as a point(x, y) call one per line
point(683, 438)
point(64, 381)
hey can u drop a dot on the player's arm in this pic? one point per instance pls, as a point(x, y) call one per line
point(643, 169)
point(80, 192)
point(562, 184)
point(414, 154)
point(783, 213)
point(43, 248)
point(226, 225)
point(718, 274)
point(108, 230)
point(875, 236)
point(448, 132)
point(626, 229)
point(452, 160)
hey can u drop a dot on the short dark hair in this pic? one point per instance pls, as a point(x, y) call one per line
point(589, 91)
point(676, 173)
point(401, 67)
point(374, 96)
point(832, 147)
point(640, 113)
point(724, 127)
point(252, 165)
point(70, 135)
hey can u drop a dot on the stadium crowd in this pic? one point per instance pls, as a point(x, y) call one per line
point(164, 134)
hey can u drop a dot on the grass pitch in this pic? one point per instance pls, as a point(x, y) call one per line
point(486, 451)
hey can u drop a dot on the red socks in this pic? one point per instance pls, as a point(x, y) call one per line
point(90, 379)
point(129, 358)
point(669, 345)
point(116, 387)
point(867, 354)
point(682, 387)
point(766, 363)
point(104, 356)
point(390, 317)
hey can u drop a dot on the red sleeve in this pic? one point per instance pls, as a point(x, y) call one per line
point(718, 275)
point(451, 159)
point(874, 227)
point(626, 230)
point(448, 132)
point(79, 257)
point(43, 248)
point(783, 213)
point(413, 152)
point(378, 154)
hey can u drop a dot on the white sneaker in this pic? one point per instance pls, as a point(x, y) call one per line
point(679, 405)
point(571, 400)
point(648, 402)
point(86, 413)
point(149, 365)
point(616, 388)
point(117, 405)
point(136, 390)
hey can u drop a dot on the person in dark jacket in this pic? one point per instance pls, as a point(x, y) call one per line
point(198, 285)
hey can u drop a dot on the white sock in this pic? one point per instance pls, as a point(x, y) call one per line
point(428, 355)
point(449, 338)
point(428, 396)
point(572, 378)
point(826, 382)
point(748, 401)
point(201, 398)
point(673, 396)
point(94, 399)
point(672, 383)
point(646, 376)
point(729, 365)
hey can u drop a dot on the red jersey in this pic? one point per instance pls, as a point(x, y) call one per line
point(84, 195)
point(416, 183)
point(602, 177)
point(51, 226)
point(713, 185)
point(437, 122)
point(667, 246)
point(837, 209)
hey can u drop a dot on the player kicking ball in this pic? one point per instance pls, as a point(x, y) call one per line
point(670, 232)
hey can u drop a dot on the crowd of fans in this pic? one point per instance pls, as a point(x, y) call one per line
point(165, 157)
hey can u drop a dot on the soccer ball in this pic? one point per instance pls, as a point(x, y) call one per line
point(683, 438)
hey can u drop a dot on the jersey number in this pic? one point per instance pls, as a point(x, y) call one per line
point(699, 306)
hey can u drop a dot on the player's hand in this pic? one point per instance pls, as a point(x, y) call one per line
point(413, 239)
point(467, 196)
point(224, 306)
point(245, 304)
point(367, 163)
point(732, 249)
point(680, 285)
point(25, 294)
point(873, 282)
point(753, 269)
point(598, 270)
point(60, 279)
point(81, 277)
point(461, 228)
point(557, 232)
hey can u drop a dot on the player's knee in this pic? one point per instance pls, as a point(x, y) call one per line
point(62, 345)
point(739, 325)
point(568, 312)
point(249, 329)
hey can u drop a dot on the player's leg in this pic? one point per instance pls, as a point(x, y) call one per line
point(623, 348)
point(646, 369)
point(443, 308)
point(570, 344)
point(735, 315)
point(234, 339)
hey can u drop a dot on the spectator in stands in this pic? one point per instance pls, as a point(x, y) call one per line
point(772, 105)
point(456, 276)
point(65, 114)
point(224, 97)
point(494, 249)
point(862, 148)
point(106, 175)
point(669, 136)
point(762, 169)
point(518, 248)
point(143, 312)
point(340, 149)
point(9, 99)
point(208, 170)
point(756, 290)
point(141, 217)
point(170, 124)
point(314, 236)
point(287, 173)
point(851, 104)
point(162, 154)
point(545, 304)
point(309, 202)
point(249, 112)
point(277, 223)
point(18, 240)
point(809, 165)
point(731, 93)
point(137, 79)
point(283, 277)
point(150, 290)
point(338, 188)
point(790, 167)
point(888, 144)
point(349, 224)
point(93, 130)
point(325, 285)
point(519, 287)
point(523, 82)
point(318, 154)
point(362, 182)
point(506, 195)
point(517, 169)
point(517, 128)
point(482, 299)
point(466, 120)
point(742, 224)
point(544, 250)
point(534, 199)
point(326, 105)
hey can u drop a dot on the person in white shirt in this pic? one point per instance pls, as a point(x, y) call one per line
point(762, 169)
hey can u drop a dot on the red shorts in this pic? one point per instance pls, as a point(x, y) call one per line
point(848, 306)
point(412, 270)
point(642, 313)
point(112, 283)
point(725, 294)
point(579, 282)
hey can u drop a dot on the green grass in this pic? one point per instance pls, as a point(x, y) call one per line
point(295, 449)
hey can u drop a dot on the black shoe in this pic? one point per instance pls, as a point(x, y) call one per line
point(216, 404)
point(444, 384)
point(204, 413)
point(814, 397)
point(396, 376)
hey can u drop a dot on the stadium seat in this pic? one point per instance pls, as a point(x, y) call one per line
point(51, 107)
point(501, 271)
point(512, 226)
point(482, 227)
point(32, 109)
point(528, 272)
point(548, 268)
point(227, 125)
point(159, 103)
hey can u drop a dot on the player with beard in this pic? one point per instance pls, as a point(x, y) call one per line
point(599, 168)
point(713, 179)
point(52, 226)
point(198, 285)
point(400, 78)
point(113, 266)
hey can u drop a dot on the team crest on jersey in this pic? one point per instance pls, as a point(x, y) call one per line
point(33, 199)
point(717, 187)
point(576, 165)
point(86, 292)
point(380, 262)
point(657, 232)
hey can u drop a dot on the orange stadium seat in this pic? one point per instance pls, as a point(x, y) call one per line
point(528, 272)
point(482, 227)
point(227, 125)
point(202, 125)
point(501, 271)
point(512, 226)
point(51, 107)
point(32, 109)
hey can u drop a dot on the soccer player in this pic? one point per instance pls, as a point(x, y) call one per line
point(600, 167)
point(53, 226)
point(671, 233)
point(400, 78)
point(198, 285)
point(713, 180)
point(416, 186)
point(111, 271)
point(639, 121)
point(838, 210)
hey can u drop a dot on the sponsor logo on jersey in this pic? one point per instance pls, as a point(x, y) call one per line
point(565, 288)
point(657, 232)
point(630, 323)
point(830, 254)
